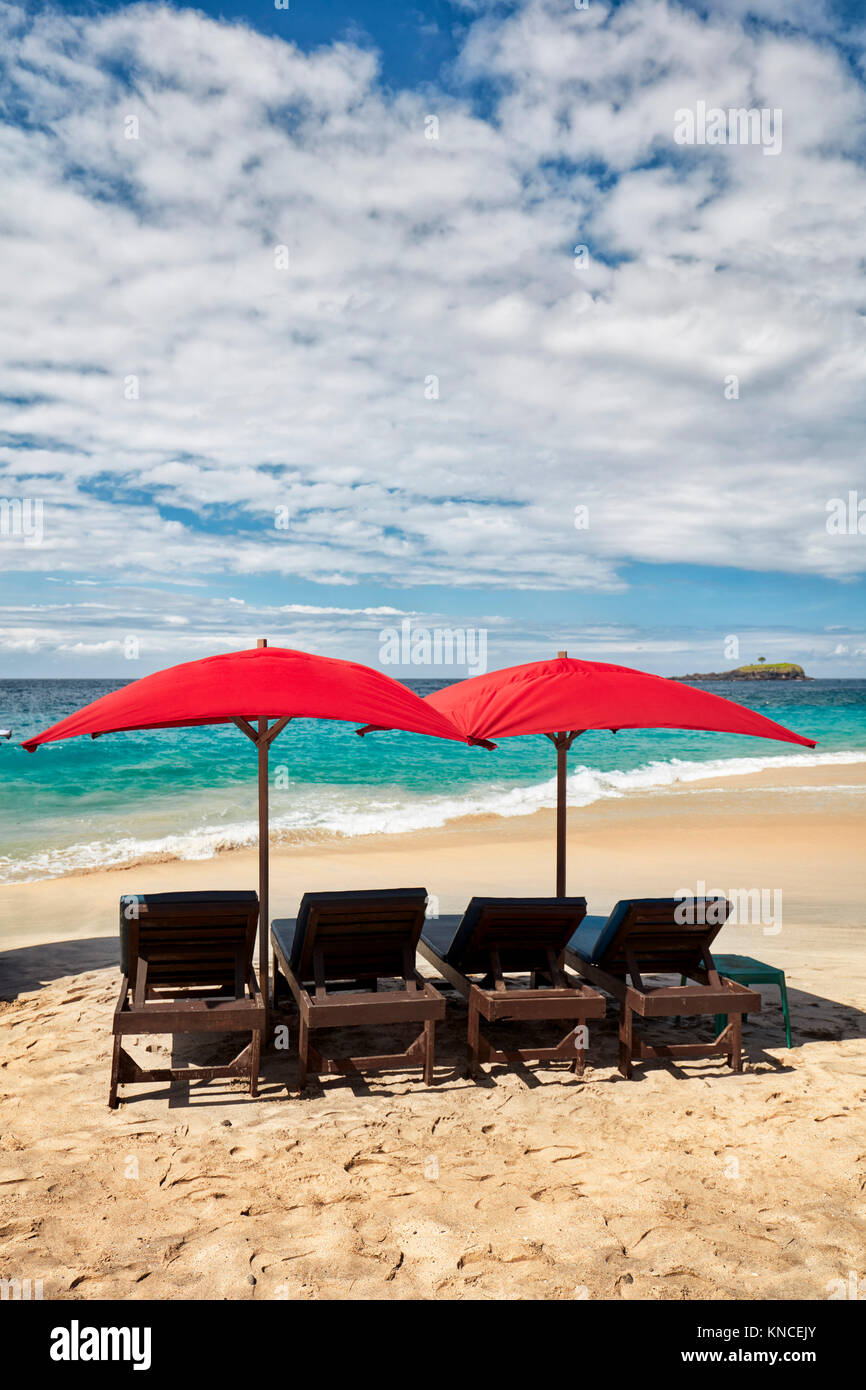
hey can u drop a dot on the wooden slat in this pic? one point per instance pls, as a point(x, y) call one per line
point(532, 1005)
point(522, 935)
point(361, 939)
point(193, 942)
point(154, 1019)
point(391, 1006)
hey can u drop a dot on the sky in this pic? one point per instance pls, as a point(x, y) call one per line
point(324, 319)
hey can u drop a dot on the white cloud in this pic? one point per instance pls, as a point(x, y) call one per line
point(304, 389)
point(311, 608)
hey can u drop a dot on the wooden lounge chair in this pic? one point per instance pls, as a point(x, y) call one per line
point(187, 967)
point(345, 939)
point(497, 937)
point(644, 936)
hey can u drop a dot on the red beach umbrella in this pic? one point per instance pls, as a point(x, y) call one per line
point(562, 698)
point(249, 689)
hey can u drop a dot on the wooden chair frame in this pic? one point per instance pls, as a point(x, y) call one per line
point(496, 999)
point(349, 946)
point(651, 941)
point(190, 971)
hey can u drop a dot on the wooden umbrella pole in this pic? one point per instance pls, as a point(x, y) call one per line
point(562, 742)
point(561, 795)
point(262, 745)
point(263, 736)
point(561, 807)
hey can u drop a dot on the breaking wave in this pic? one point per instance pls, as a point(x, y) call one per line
point(326, 812)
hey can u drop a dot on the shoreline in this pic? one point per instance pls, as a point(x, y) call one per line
point(849, 771)
point(754, 830)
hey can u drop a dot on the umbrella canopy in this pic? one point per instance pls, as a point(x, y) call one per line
point(263, 683)
point(563, 697)
point(564, 693)
point(250, 688)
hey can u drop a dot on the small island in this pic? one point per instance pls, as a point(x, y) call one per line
point(759, 671)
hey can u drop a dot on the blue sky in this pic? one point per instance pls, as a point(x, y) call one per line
point(299, 344)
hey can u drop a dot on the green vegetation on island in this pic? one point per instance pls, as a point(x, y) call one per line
point(758, 671)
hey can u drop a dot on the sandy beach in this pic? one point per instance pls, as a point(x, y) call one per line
point(687, 1182)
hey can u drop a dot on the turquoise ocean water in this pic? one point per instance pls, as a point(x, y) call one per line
point(188, 793)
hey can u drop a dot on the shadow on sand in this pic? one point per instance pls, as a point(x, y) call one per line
point(813, 1018)
point(31, 967)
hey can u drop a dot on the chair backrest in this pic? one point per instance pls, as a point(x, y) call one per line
point(362, 935)
point(663, 935)
point(521, 930)
point(189, 939)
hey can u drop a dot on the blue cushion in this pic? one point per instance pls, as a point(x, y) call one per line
point(595, 934)
point(283, 933)
point(439, 932)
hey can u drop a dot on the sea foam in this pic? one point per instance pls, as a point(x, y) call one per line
point(327, 812)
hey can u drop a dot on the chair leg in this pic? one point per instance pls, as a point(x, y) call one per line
point(473, 1039)
point(783, 990)
point(255, 1055)
point(678, 1020)
point(626, 1040)
point(115, 1073)
point(303, 1052)
point(429, 1050)
point(737, 1043)
point(579, 1063)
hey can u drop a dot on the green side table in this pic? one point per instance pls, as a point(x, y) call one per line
point(747, 971)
